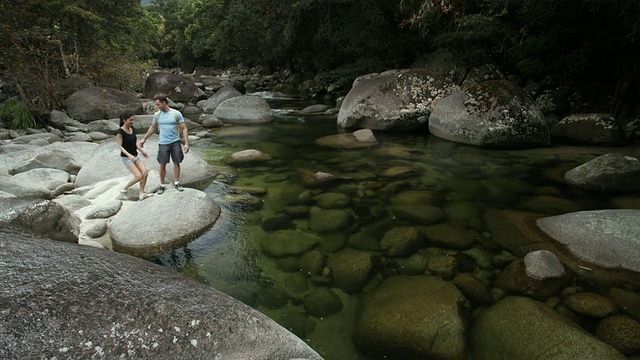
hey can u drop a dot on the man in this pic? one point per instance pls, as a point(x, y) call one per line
point(169, 146)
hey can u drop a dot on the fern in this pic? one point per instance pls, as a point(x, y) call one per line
point(17, 113)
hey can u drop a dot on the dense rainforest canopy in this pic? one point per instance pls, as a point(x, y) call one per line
point(591, 45)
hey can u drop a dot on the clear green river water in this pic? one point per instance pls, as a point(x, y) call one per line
point(464, 181)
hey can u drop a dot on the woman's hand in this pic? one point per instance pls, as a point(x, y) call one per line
point(144, 153)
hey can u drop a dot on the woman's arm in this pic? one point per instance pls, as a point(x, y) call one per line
point(141, 149)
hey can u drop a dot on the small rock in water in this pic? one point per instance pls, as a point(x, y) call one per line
point(543, 264)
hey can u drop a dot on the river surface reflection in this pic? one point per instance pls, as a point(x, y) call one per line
point(463, 181)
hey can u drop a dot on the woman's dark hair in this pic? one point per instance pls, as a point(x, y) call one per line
point(124, 116)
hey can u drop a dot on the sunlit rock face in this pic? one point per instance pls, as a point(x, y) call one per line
point(62, 300)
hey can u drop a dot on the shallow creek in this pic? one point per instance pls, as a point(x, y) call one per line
point(407, 168)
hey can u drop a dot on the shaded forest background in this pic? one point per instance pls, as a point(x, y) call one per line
point(588, 46)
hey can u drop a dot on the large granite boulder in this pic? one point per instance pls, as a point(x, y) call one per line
point(96, 103)
point(244, 110)
point(69, 301)
point(107, 127)
point(393, 100)
point(176, 87)
point(105, 163)
point(227, 92)
point(609, 172)
point(592, 129)
point(518, 328)
point(44, 138)
point(16, 187)
point(59, 119)
point(163, 221)
point(11, 155)
point(492, 113)
point(49, 178)
point(608, 238)
point(412, 317)
point(41, 217)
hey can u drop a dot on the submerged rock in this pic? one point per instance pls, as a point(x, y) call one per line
point(590, 304)
point(247, 157)
point(397, 320)
point(350, 269)
point(622, 333)
point(519, 328)
point(543, 264)
point(346, 141)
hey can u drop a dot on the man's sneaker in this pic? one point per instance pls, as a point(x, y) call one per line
point(178, 187)
point(143, 196)
point(160, 190)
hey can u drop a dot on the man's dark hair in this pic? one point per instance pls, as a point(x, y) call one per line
point(161, 98)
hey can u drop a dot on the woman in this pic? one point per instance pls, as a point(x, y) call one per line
point(131, 154)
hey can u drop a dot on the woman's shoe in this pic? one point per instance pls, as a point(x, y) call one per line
point(143, 196)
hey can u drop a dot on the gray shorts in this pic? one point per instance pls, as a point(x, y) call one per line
point(128, 163)
point(174, 150)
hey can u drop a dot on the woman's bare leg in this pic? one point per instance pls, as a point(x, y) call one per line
point(137, 176)
point(144, 173)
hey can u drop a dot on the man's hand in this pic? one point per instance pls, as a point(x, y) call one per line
point(185, 148)
point(141, 143)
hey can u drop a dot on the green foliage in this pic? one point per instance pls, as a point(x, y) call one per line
point(569, 41)
point(45, 41)
point(303, 35)
point(123, 72)
point(16, 113)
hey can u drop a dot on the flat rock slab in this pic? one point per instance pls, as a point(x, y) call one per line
point(163, 221)
point(67, 301)
point(608, 238)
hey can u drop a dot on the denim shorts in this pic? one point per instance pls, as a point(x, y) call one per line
point(174, 150)
point(128, 163)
